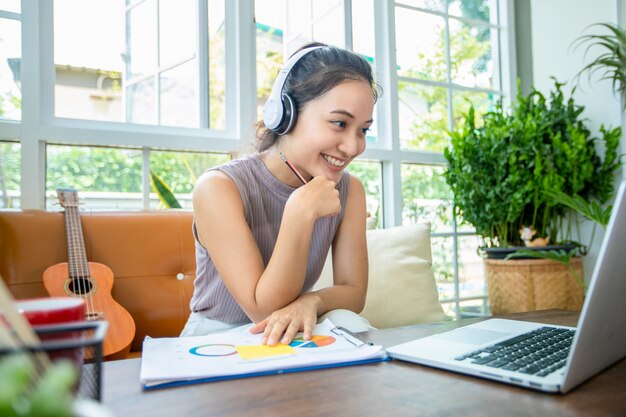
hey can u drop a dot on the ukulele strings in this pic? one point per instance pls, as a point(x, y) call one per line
point(80, 260)
point(82, 263)
point(75, 282)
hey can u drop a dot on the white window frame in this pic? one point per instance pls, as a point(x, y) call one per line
point(39, 125)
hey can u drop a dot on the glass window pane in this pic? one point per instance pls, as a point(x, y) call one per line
point(363, 40)
point(179, 170)
point(329, 27)
point(179, 104)
point(471, 273)
point(363, 43)
point(320, 8)
point(283, 26)
point(435, 5)
point(426, 197)
point(217, 66)
point(298, 20)
point(449, 310)
point(105, 178)
point(443, 266)
point(370, 174)
point(471, 55)
point(141, 102)
point(10, 163)
point(177, 31)
point(422, 117)
point(10, 5)
point(88, 57)
point(473, 9)
point(142, 39)
point(270, 24)
point(10, 63)
point(461, 101)
point(473, 308)
point(421, 55)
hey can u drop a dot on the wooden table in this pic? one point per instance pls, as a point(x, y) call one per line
point(393, 388)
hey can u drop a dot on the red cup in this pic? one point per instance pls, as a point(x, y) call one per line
point(55, 310)
point(52, 310)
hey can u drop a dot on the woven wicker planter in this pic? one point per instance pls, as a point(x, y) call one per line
point(532, 284)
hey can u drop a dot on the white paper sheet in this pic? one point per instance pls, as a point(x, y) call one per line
point(231, 354)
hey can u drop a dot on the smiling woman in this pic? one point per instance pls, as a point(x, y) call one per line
point(279, 227)
point(154, 77)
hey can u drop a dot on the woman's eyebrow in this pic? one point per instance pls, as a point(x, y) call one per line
point(350, 115)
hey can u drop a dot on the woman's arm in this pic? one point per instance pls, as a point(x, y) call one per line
point(350, 261)
point(350, 269)
point(224, 232)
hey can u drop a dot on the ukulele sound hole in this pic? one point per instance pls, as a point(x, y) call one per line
point(80, 286)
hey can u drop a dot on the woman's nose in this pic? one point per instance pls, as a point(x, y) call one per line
point(349, 146)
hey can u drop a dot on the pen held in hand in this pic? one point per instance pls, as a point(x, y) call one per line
point(292, 168)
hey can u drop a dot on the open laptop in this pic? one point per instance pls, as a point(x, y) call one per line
point(518, 352)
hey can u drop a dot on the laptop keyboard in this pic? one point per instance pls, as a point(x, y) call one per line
point(539, 352)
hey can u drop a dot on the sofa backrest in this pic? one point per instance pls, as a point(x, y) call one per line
point(151, 254)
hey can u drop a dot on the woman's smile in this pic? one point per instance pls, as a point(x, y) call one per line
point(334, 162)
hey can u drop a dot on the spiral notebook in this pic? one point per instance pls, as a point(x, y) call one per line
point(176, 361)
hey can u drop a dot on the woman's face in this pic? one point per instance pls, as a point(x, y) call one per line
point(330, 130)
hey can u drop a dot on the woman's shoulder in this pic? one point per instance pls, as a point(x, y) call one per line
point(352, 180)
point(240, 165)
point(213, 181)
point(348, 181)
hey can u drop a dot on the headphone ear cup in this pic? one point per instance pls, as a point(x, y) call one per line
point(272, 114)
point(290, 113)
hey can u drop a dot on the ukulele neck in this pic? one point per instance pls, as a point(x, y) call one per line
point(77, 257)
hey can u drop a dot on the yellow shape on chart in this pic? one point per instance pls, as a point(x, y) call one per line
point(262, 351)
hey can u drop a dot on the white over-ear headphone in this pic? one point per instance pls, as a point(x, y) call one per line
point(279, 111)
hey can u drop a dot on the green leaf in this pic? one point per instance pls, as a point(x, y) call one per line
point(163, 191)
point(612, 60)
point(53, 395)
point(560, 255)
point(590, 209)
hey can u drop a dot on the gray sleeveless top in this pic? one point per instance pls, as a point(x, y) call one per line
point(264, 198)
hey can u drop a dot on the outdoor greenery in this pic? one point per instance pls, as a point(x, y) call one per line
point(120, 170)
point(470, 50)
point(504, 174)
point(9, 172)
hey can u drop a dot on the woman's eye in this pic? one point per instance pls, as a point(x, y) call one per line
point(339, 123)
point(365, 130)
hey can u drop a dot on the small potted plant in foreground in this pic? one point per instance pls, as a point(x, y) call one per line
point(506, 175)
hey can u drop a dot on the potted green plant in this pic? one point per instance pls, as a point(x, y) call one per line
point(505, 175)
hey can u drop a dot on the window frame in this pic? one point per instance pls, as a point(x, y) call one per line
point(39, 125)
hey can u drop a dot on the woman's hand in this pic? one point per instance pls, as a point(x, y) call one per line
point(319, 196)
point(282, 325)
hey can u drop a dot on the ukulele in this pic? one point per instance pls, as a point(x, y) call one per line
point(91, 281)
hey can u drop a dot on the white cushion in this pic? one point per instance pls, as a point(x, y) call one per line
point(402, 288)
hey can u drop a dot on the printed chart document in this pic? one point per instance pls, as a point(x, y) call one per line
point(183, 360)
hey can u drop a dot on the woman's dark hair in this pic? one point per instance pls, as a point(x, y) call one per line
point(315, 74)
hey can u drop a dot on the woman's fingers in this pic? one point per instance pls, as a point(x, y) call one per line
point(290, 333)
point(274, 332)
point(259, 327)
point(308, 329)
point(281, 330)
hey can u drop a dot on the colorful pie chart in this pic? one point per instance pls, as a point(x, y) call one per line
point(314, 342)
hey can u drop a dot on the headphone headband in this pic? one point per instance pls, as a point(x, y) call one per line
point(274, 110)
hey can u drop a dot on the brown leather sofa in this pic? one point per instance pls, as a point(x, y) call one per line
point(151, 254)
